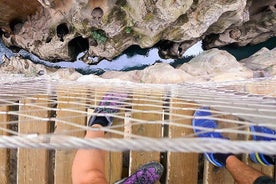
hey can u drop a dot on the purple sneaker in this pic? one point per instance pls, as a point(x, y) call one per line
point(146, 174)
point(110, 104)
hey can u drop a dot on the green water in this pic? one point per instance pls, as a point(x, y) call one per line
point(246, 51)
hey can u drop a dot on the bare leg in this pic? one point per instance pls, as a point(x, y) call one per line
point(241, 172)
point(89, 165)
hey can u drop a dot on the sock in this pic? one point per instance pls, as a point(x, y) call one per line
point(222, 157)
point(101, 120)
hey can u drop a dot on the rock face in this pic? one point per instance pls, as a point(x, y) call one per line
point(216, 65)
point(26, 68)
point(160, 73)
point(263, 63)
point(213, 65)
point(60, 29)
point(17, 65)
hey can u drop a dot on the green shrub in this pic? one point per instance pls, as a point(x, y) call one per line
point(128, 30)
point(99, 36)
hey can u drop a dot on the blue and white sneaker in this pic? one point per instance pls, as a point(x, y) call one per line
point(200, 120)
point(259, 157)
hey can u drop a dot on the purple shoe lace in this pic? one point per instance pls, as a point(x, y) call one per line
point(109, 104)
point(147, 174)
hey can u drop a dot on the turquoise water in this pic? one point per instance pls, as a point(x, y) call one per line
point(246, 51)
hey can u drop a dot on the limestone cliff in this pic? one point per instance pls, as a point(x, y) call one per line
point(60, 29)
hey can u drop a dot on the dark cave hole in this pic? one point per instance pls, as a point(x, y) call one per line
point(16, 25)
point(6, 34)
point(262, 9)
point(180, 50)
point(48, 40)
point(208, 40)
point(77, 45)
point(14, 49)
point(97, 13)
point(135, 50)
point(163, 48)
point(62, 30)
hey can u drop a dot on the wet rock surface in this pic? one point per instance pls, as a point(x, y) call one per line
point(59, 29)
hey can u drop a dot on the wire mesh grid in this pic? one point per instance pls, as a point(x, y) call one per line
point(42, 113)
